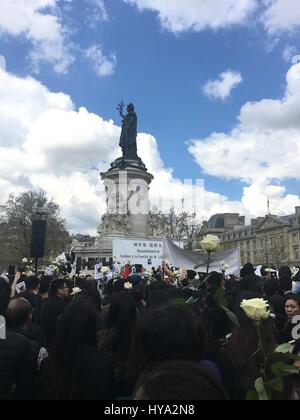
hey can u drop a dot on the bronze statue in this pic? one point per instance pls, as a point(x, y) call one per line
point(129, 132)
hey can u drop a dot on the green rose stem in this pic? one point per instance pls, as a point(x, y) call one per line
point(208, 261)
point(264, 364)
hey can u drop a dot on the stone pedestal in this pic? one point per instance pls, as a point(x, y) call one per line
point(127, 197)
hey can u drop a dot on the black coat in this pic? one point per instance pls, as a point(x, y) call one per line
point(35, 302)
point(16, 377)
point(35, 351)
point(93, 379)
point(50, 314)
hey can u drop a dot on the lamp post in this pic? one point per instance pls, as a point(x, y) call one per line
point(266, 251)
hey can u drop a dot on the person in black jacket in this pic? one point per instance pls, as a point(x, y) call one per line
point(19, 318)
point(32, 295)
point(16, 378)
point(76, 369)
point(53, 308)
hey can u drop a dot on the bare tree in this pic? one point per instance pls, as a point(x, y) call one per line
point(181, 226)
point(277, 251)
point(16, 217)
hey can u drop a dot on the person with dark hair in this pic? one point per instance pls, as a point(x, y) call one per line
point(285, 271)
point(247, 270)
point(16, 378)
point(215, 319)
point(179, 381)
point(271, 288)
point(277, 307)
point(31, 294)
point(286, 284)
point(157, 297)
point(116, 337)
point(76, 369)
point(250, 282)
point(239, 362)
point(89, 286)
point(120, 324)
point(53, 308)
point(292, 309)
point(171, 332)
point(19, 319)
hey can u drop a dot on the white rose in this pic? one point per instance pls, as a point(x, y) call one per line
point(24, 261)
point(256, 309)
point(75, 291)
point(128, 286)
point(210, 243)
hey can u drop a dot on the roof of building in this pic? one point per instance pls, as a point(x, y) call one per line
point(216, 221)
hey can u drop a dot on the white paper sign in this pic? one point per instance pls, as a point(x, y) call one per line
point(21, 287)
point(2, 328)
point(98, 275)
point(144, 252)
point(48, 271)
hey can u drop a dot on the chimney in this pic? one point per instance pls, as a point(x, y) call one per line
point(243, 220)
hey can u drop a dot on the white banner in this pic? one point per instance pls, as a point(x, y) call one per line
point(144, 252)
point(188, 259)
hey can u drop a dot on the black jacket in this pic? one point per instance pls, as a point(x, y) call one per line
point(36, 352)
point(50, 314)
point(92, 380)
point(16, 377)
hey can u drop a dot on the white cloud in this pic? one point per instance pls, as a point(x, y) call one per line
point(179, 16)
point(2, 63)
point(46, 143)
point(281, 15)
point(265, 144)
point(256, 195)
point(289, 53)
point(96, 12)
point(263, 147)
point(104, 66)
point(223, 86)
point(38, 22)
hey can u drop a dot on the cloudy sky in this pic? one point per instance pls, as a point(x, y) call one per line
point(216, 85)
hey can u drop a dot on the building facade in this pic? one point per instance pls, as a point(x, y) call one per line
point(271, 240)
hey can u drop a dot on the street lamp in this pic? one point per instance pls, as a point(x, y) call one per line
point(266, 251)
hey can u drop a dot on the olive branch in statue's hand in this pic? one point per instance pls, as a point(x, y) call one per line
point(121, 107)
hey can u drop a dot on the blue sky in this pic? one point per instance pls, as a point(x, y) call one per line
point(158, 55)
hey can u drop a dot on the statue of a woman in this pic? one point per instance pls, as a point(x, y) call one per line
point(129, 132)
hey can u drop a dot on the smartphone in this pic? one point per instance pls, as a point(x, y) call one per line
point(2, 328)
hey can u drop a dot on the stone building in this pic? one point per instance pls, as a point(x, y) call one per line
point(269, 240)
point(221, 223)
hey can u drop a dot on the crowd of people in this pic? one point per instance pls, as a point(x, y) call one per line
point(163, 335)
